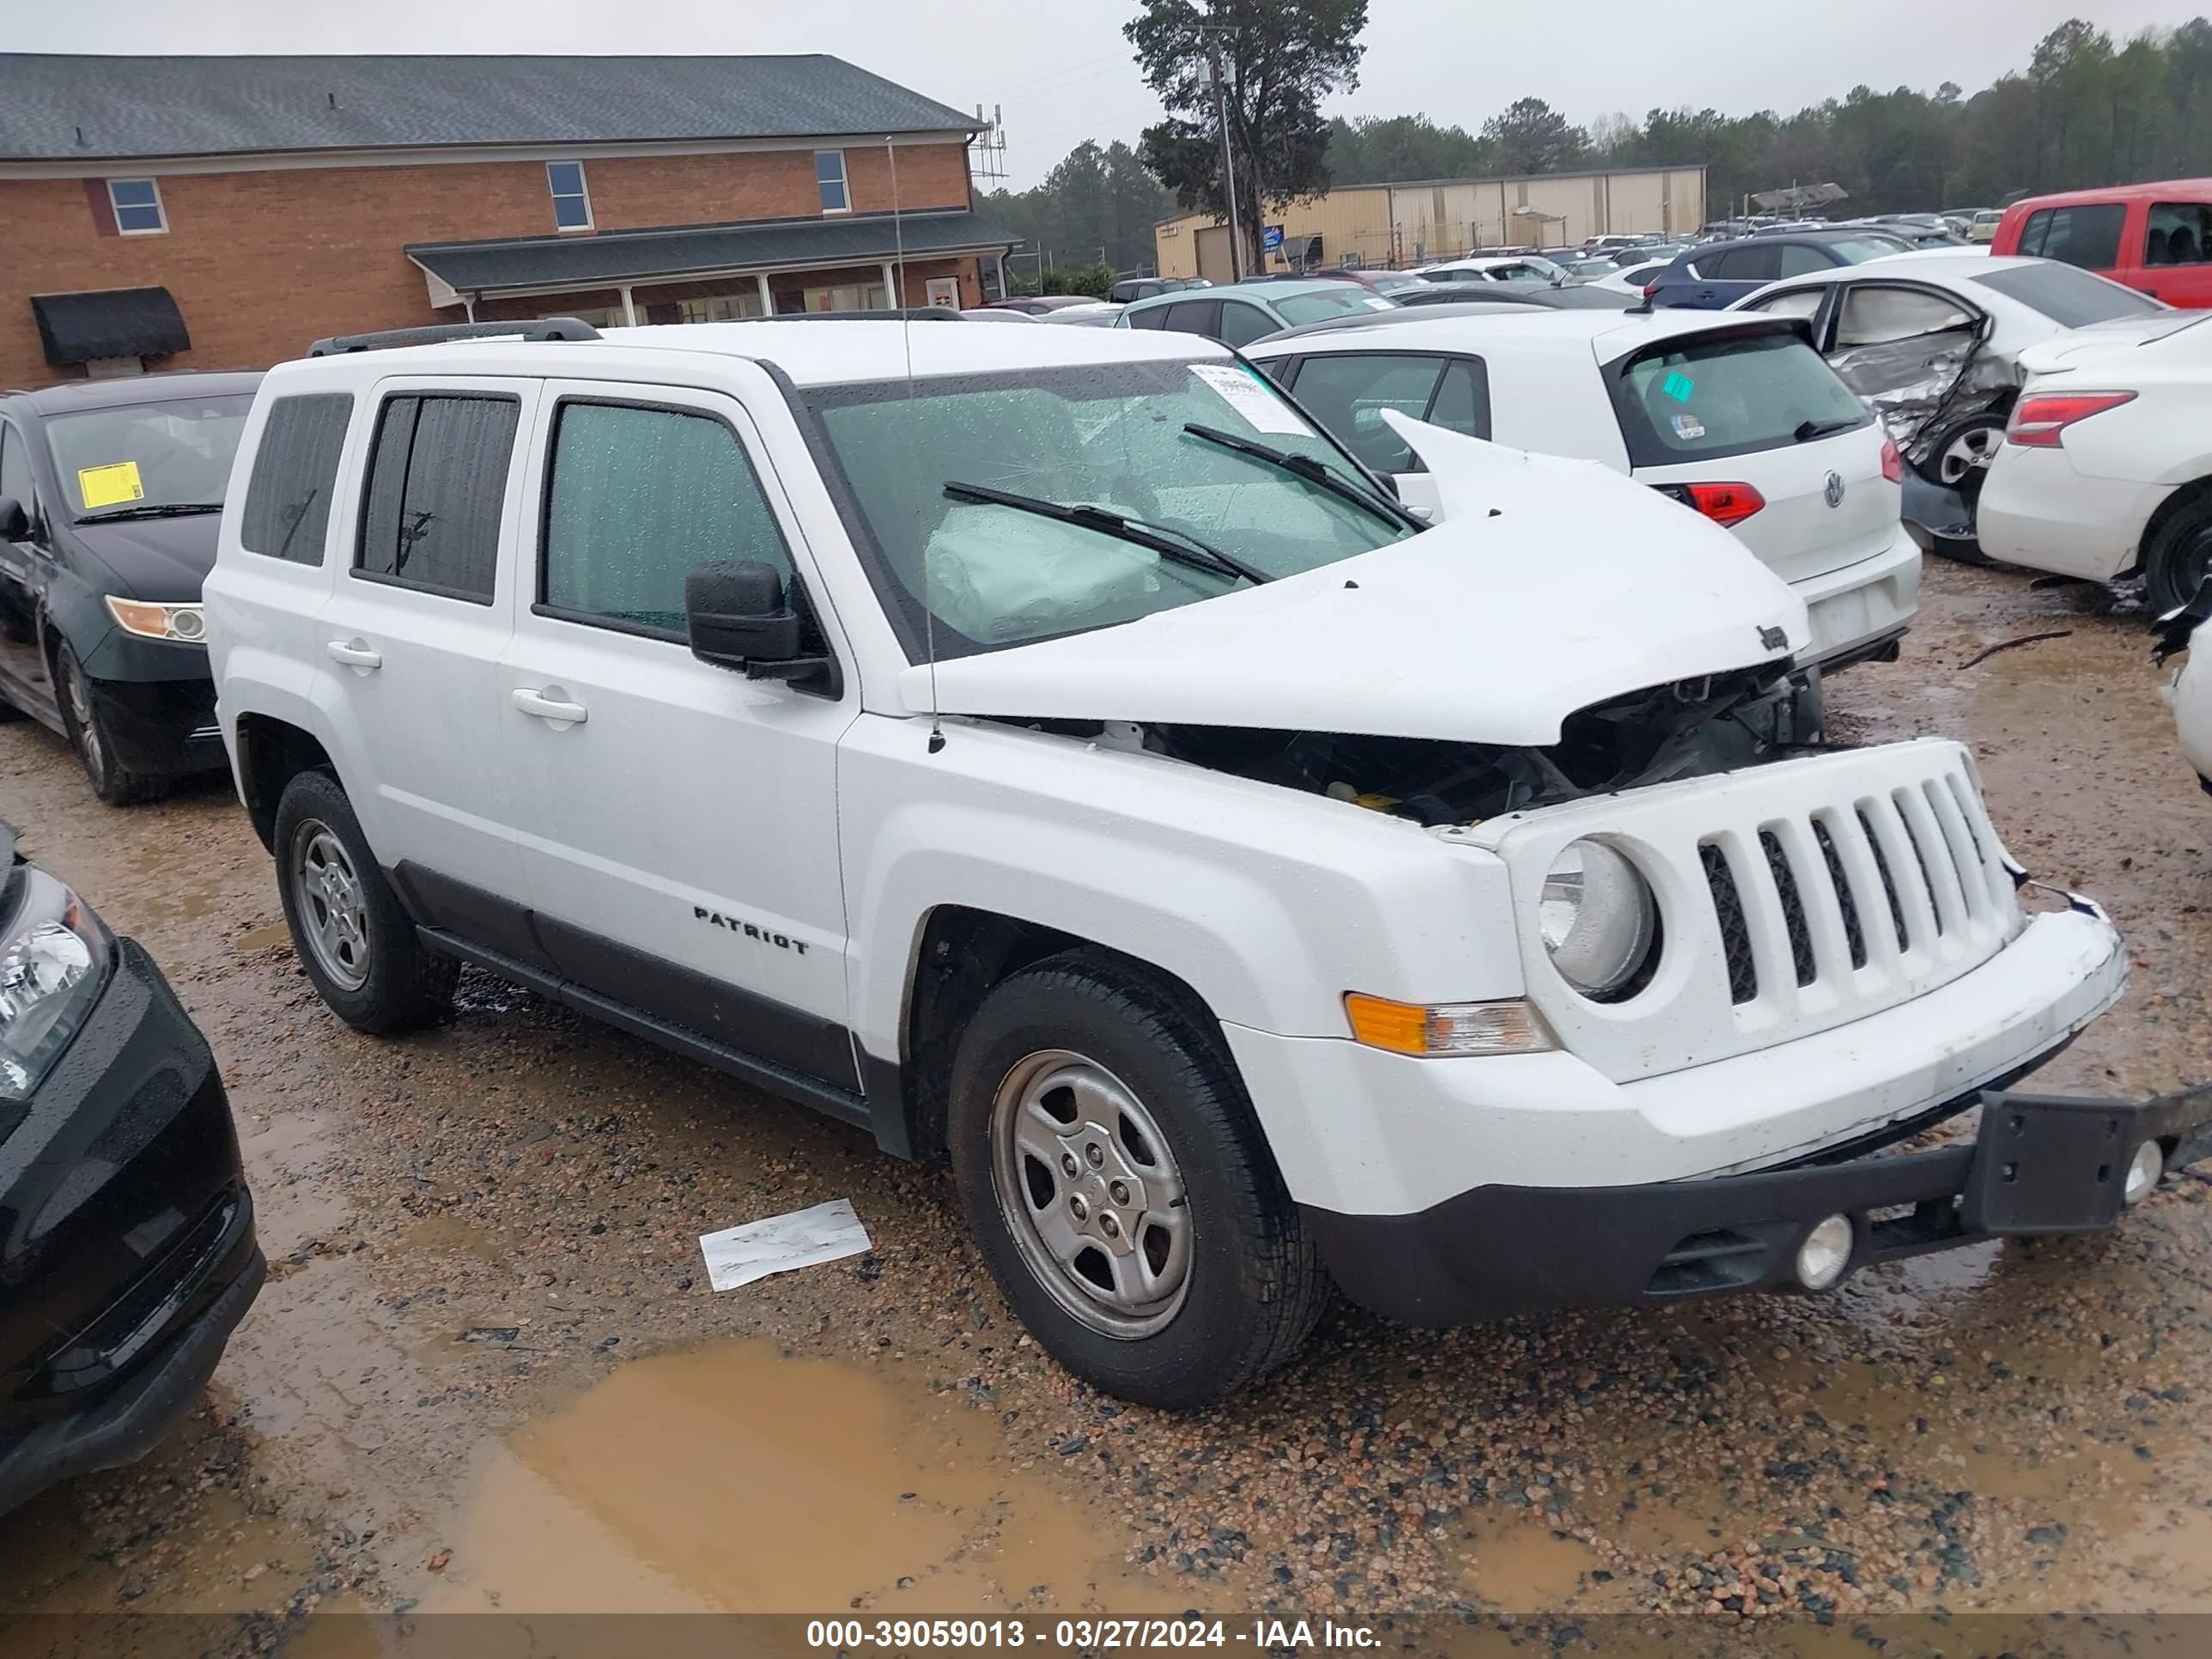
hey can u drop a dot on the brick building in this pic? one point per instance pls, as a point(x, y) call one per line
point(223, 212)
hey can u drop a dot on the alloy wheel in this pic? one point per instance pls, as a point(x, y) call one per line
point(1970, 451)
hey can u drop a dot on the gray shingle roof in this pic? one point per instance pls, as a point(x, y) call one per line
point(583, 262)
point(149, 107)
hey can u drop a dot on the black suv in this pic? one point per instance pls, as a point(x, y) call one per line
point(110, 495)
point(127, 1249)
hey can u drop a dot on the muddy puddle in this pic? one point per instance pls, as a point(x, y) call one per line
point(734, 1478)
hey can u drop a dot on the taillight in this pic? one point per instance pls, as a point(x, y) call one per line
point(1725, 504)
point(1650, 288)
point(1892, 464)
point(2038, 423)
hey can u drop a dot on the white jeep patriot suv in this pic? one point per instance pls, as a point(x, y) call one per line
point(1047, 747)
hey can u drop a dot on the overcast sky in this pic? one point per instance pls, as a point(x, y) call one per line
point(1062, 72)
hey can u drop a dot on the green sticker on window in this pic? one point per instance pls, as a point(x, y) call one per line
point(1678, 385)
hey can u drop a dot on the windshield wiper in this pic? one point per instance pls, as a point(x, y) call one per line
point(149, 510)
point(1183, 549)
point(1305, 466)
point(1808, 430)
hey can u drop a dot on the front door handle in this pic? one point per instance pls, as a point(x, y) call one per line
point(356, 654)
point(549, 705)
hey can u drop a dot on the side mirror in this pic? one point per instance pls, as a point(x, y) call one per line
point(15, 522)
point(738, 617)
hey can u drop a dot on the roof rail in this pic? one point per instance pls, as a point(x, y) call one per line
point(911, 314)
point(545, 328)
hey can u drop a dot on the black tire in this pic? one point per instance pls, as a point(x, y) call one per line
point(2177, 557)
point(1252, 1285)
point(89, 734)
point(1984, 432)
point(403, 985)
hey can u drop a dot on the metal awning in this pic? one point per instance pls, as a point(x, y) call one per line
point(116, 322)
point(541, 264)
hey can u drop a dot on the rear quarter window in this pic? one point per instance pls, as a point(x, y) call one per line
point(2087, 235)
point(1703, 398)
point(2070, 298)
point(287, 498)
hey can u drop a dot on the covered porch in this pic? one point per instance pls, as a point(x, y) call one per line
point(717, 273)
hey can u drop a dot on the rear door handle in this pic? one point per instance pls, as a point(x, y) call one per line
point(554, 709)
point(355, 653)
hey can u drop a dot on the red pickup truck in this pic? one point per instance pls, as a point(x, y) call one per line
point(2157, 238)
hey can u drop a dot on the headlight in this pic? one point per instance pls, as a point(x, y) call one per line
point(54, 956)
point(1598, 917)
point(187, 622)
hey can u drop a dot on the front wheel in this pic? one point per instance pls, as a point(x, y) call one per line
point(1114, 1174)
point(92, 738)
point(348, 929)
point(2178, 557)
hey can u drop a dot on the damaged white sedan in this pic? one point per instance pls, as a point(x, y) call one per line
point(1045, 747)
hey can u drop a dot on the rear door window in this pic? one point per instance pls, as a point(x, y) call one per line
point(1874, 314)
point(2070, 298)
point(2087, 235)
point(1149, 317)
point(2179, 233)
point(1753, 264)
point(437, 483)
point(1703, 398)
point(1195, 316)
point(1801, 259)
point(287, 500)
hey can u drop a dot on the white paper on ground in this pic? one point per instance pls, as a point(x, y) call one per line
point(804, 1238)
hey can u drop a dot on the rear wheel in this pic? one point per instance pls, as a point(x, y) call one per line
point(2178, 557)
point(348, 928)
point(90, 734)
point(1961, 456)
point(1120, 1187)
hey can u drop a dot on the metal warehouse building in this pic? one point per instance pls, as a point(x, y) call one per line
point(1434, 218)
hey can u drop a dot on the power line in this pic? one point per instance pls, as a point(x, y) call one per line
point(1115, 57)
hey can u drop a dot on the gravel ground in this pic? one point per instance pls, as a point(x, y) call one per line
point(2001, 1428)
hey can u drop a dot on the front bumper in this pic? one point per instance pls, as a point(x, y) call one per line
point(2041, 1164)
point(127, 1247)
point(163, 727)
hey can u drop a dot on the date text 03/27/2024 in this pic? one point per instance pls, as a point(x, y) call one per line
point(1084, 1635)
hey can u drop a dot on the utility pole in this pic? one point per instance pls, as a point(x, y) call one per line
point(1228, 162)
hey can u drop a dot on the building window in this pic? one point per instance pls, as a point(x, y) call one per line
point(858, 296)
point(830, 180)
point(572, 203)
point(137, 204)
point(721, 307)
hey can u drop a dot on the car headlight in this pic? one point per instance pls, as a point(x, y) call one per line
point(187, 622)
point(1599, 920)
point(54, 956)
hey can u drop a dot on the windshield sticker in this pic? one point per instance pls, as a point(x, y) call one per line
point(1678, 385)
point(1687, 427)
point(109, 486)
point(1262, 409)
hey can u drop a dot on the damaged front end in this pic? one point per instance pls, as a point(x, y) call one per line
point(1688, 728)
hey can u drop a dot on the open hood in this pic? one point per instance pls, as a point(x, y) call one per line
point(1492, 627)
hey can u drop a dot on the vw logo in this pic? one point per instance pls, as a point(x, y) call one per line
point(1833, 491)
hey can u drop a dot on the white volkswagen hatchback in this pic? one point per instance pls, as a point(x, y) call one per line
point(1736, 417)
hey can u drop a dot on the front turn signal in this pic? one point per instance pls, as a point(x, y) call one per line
point(1510, 1026)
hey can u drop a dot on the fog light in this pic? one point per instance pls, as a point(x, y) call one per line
point(2143, 1170)
point(1826, 1253)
